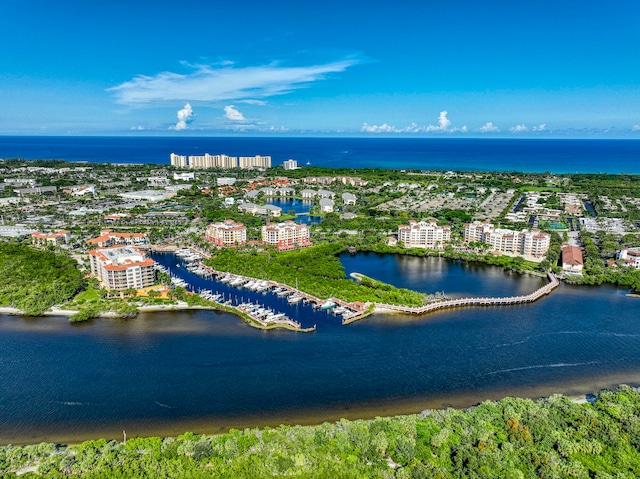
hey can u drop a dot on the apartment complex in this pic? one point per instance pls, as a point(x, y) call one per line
point(219, 161)
point(286, 235)
point(290, 164)
point(424, 234)
point(111, 238)
point(122, 267)
point(56, 239)
point(226, 233)
point(527, 242)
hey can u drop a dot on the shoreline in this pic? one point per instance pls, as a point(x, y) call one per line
point(578, 392)
point(7, 310)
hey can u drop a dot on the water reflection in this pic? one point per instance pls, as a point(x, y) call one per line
point(300, 207)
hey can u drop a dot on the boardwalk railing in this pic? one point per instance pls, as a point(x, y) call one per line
point(492, 301)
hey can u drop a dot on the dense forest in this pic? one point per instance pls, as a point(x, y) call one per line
point(316, 270)
point(512, 438)
point(33, 280)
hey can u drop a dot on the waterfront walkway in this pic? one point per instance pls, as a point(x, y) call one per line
point(475, 301)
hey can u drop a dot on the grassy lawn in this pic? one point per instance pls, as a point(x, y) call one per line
point(87, 295)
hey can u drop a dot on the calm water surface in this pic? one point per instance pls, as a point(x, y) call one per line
point(205, 371)
point(532, 155)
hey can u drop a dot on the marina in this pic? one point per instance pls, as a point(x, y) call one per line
point(190, 262)
point(281, 304)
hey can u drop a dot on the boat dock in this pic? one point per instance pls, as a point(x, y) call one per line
point(293, 295)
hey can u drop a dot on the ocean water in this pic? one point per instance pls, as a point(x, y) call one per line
point(527, 155)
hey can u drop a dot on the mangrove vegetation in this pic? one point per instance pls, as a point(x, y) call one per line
point(511, 438)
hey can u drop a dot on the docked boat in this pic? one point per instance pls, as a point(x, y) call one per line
point(294, 299)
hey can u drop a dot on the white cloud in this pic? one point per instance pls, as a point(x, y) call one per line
point(219, 83)
point(384, 128)
point(137, 128)
point(540, 127)
point(443, 123)
point(253, 102)
point(232, 114)
point(185, 116)
point(518, 129)
point(635, 128)
point(489, 127)
point(443, 126)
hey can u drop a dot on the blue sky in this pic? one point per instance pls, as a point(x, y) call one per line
point(377, 68)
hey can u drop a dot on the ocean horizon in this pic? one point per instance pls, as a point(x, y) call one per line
point(518, 155)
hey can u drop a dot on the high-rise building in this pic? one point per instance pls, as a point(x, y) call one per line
point(528, 242)
point(219, 161)
point(255, 161)
point(179, 161)
point(290, 164)
point(227, 233)
point(286, 235)
point(122, 267)
point(424, 234)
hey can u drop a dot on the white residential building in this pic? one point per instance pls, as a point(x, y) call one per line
point(307, 193)
point(326, 194)
point(349, 198)
point(29, 182)
point(630, 257)
point(122, 267)
point(424, 234)
point(227, 233)
point(255, 161)
point(286, 235)
point(184, 176)
point(225, 181)
point(326, 205)
point(219, 161)
point(179, 161)
point(254, 209)
point(290, 164)
point(527, 242)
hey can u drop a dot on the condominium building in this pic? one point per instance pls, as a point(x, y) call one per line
point(286, 235)
point(424, 234)
point(219, 161)
point(255, 161)
point(179, 161)
point(227, 233)
point(254, 209)
point(56, 239)
point(110, 238)
point(527, 242)
point(122, 267)
point(290, 164)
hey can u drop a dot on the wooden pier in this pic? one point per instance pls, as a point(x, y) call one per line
point(475, 301)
